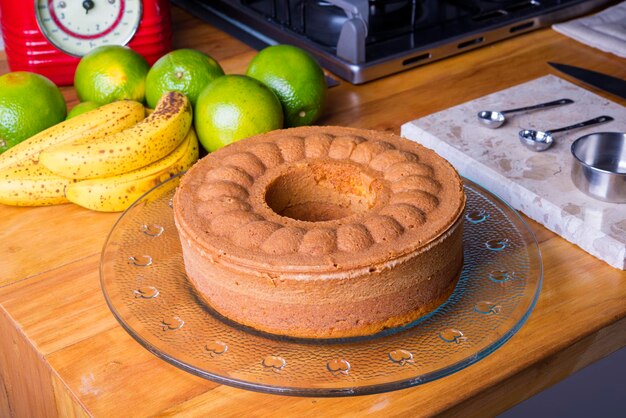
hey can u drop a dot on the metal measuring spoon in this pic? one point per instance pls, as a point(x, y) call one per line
point(542, 140)
point(494, 119)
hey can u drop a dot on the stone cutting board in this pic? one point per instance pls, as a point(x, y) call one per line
point(537, 184)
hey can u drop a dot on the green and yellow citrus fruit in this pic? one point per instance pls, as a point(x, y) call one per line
point(109, 73)
point(233, 107)
point(29, 103)
point(296, 78)
point(81, 108)
point(183, 70)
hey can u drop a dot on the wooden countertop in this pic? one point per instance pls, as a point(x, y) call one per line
point(63, 353)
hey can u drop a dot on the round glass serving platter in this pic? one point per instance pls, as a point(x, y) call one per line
point(144, 283)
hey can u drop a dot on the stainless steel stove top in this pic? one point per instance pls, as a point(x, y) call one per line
point(361, 40)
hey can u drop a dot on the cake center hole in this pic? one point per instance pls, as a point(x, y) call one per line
point(318, 192)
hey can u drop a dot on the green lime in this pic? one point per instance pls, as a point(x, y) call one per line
point(233, 107)
point(109, 73)
point(81, 108)
point(184, 70)
point(296, 78)
point(29, 103)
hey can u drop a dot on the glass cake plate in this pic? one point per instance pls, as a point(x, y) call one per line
point(144, 283)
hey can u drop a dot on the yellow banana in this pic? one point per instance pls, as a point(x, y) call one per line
point(105, 120)
point(113, 194)
point(30, 184)
point(149, 140)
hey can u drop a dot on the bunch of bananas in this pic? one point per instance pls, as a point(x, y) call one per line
point(104, 159)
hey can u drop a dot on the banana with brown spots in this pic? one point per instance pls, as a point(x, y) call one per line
point(104, 121)
point(30, 184)
point(112, 194)
point(144, 143)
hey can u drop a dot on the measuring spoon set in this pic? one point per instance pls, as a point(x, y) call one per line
point(535, 140)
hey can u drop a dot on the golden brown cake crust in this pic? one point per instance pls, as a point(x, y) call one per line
point(223, 196)
point(322, 232)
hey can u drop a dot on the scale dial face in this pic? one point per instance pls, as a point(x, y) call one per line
point(78, 26)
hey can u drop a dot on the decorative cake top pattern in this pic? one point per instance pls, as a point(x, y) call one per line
point(321, 191)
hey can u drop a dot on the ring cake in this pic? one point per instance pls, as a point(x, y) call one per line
point(322, 232)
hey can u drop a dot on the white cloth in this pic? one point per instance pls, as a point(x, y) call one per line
point(605, 30)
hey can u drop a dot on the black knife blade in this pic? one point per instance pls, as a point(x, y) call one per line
point(604, 82)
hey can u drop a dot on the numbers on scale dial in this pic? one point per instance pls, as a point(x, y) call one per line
point(78, 26)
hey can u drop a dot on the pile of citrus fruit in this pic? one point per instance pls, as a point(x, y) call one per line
point(109, 149)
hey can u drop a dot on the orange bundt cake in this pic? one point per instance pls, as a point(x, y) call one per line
point(322, 232)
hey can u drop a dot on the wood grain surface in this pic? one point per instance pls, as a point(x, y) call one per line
point(62, 353)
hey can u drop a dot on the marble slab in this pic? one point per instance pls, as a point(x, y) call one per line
point(537, 184)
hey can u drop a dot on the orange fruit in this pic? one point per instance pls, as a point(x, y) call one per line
point(81, 108)
point(184, 70)
point(29, 103)
point(296, 78)
point(233, 107)
point(109, 73)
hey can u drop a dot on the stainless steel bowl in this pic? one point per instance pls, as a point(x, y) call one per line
point(599, 168)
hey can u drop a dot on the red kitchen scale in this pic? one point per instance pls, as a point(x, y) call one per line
point(49, 36)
